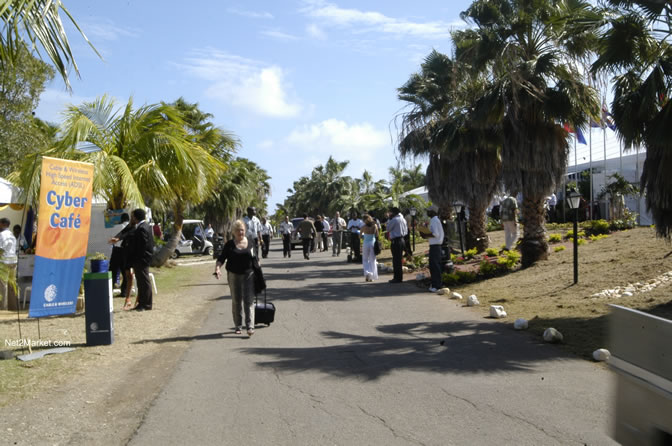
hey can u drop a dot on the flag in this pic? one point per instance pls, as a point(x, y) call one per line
point(607, 117)
point(578, 132)
point(62, 236)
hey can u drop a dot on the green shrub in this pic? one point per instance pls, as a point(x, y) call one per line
point(629, 221)
point(559, 248)
point(458, 277)
point(594, 238)
point(492, 252)
point(493, 225)
point(595, 227)
point(486, 268)
point(570, 234)
point(554, 238)
point(420, 261)
point(467, 276)
point(469, 254)
point(581, 241)
point(450, 279)
point(509, 259)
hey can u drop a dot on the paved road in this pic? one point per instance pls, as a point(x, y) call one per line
point(349, 362)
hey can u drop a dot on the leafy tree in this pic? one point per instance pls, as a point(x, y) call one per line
point(635, 49)
point(21, 82)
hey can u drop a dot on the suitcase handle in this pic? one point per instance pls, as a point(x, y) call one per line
point(255, 298)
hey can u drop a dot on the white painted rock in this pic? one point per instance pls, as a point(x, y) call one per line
point(552, 335)
point(420, 276)
point(601, 354)
point(405, 269)
point(472, 301)
point(627, 294)
point(497, 311)
point(444, 291)
point(457, 296)
point(520, 324)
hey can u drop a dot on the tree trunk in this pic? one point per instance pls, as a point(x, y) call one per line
point(477, 235)
point(161, 257)
point(534, 245)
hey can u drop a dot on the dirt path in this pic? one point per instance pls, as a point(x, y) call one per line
point(100, 393)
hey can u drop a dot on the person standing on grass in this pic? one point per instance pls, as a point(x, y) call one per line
point(117, 256)
point(369, 233)
point(307, 231)
point(238, 256)
point(338, 225)
point(140, 256)
point(325, 233)
point(10, 260)
point(285, 230)
point(397, 230)
point(508, 209)
point(435, 242)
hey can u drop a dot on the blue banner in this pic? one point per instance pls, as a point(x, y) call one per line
point(56, 287)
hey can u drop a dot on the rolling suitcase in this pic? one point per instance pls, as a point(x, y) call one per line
point(263, 313)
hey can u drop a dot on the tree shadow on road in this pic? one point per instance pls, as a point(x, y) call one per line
point(452, 347)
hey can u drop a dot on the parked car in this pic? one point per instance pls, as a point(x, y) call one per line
point(189, 243)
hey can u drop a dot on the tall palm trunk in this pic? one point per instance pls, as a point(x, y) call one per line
point(161, 257)
point(534, 245)
point(477, 235)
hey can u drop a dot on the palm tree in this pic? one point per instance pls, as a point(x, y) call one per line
point(464, 148)
point(143, 153)
point(635, 48)
point(532, 53)
point(38, 21)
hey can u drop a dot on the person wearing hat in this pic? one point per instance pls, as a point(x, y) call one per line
point(435, 242)
point(396, 229)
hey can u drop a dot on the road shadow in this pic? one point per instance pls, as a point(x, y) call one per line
point(452, 347)
point(341, 291)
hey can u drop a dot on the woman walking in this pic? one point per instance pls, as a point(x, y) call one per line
point(238, 256)
point(369, 232)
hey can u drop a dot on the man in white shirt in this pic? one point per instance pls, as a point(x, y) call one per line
point(338, 226)
point(354, 225)
point(266, 234)
point(285, 230)
point(435, 242)
point(325, 233)
point(209, 232)
point(397, 229)
point(9, 259)
point(253, 229)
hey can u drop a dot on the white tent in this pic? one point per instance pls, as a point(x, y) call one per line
point(8, 192)
point(421, 191)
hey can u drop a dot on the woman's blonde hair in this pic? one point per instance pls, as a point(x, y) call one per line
point(368, 221)
point(238, 224)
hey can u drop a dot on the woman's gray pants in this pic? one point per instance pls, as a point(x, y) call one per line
point(242, 298)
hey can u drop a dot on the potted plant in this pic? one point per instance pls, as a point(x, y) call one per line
point(99, 263)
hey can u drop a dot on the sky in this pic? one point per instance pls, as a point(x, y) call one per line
point(296, 81)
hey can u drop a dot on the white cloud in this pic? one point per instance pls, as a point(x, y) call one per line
point(53, 103)
point(266, 144)
point(250, 14)
point(315, 32)
point(107, 31)
point(371, 21)
point(245, 83)
point(357, 142)
point(279, 35)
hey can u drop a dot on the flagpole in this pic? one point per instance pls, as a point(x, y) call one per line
point(604, 141)
point(590, 167)
point(639, 181)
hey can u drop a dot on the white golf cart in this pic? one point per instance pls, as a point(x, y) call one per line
point(190, 242)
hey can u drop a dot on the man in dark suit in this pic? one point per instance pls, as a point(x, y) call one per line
point(140, 256)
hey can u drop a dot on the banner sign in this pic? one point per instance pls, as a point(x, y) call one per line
point(64, 217)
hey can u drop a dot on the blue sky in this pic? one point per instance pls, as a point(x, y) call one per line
point(296, 81)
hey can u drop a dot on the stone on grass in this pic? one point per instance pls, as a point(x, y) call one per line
point(405, 269)
point(420, 276)
point(472, 301)
point(601, 354)
point(520, 324)
point(443, 292)
point(552, 335)
point(455, 295)
point(497, 311)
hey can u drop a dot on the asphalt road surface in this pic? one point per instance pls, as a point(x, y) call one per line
point(348, 362)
